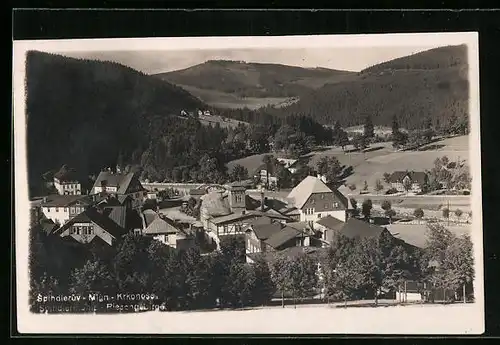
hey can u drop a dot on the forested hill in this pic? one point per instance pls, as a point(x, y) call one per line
point(432, 84)
point(253, 79)
point(83, 112)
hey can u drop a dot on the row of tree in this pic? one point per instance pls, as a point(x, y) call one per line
point(351, 269)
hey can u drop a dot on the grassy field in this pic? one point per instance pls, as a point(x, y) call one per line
point(415, 234)
point(381, 157)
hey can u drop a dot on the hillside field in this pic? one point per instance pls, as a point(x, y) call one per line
point(380, 158)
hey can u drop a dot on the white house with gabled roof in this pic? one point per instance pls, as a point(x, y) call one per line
point(314, 200)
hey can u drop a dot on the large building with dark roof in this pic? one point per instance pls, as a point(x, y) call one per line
point(415, 180)
point(120, 185)
point(66, 182)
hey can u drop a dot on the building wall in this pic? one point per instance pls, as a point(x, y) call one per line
point(56, 214)
point(252, 243)
point(408, 297)
point(68, 188)
point(85, 238)
point(307, 216)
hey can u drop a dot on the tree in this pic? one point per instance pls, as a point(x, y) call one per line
point(268, 160)
point(395, 126)
point(365, 186)
point(378, 186)
point(446, 213)
point(284, 176)
point(359, 141)
point(418, 213)
point(407, 185)
point(368, 129)
point(264, 287)
point(366, 208)
point(343, 139)
point(399, 139)
point(354, 205)
point(387, 177)
point(330, 168)
point(239, 173)
point(458, 213)
point(387, 207)
point(302, 275)
point(94, 276)
point(279, 275)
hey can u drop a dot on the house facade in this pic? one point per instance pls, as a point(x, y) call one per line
point(415, 180)
point(66, 183)
point(169, 233)
point(61, 208)
point(314, 200)
point(90, 225)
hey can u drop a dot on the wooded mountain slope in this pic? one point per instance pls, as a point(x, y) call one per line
point(432, 84)
point(83, 112)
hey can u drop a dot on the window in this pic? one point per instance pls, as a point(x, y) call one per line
point(322, 196)
point(324, 234)
point(72, 210)
point(57, 209)
point(65, 209)
point(312, 201)
point(225, 229)
point(335, 204)
point(319, 215)
point(326, 206)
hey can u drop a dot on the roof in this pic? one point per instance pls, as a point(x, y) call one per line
point(64, 200)
point(283, 236)
point(271, 214)
point(234, 217)
point(120, 180)
point(48, 225)
point(149, 215)
point(331, 223)
point(118, 214)
point(358, 228)
point(301, 226)
point(215, 203)
point(305, 188)
point(415, 176)
point(197, 191)
point(264, 231)
point(66, 174)
point(264, 220)
point(161, 225)
point(91, 215)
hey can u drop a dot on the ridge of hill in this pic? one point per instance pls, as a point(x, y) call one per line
point(249, 79)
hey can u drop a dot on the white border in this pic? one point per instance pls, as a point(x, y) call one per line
point(456, 319)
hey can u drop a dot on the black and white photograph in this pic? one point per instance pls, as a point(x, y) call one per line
point(323, 184)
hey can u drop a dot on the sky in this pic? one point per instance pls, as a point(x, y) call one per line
point(345, 58)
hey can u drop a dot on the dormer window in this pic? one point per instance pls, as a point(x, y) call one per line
point(336, 204)
point(322, 196)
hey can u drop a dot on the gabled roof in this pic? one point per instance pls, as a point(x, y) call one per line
point(149, 215)
point(331, 223)
point(118, 214)
point(301, 226)
point(161, 225)
point(264, 231)
point(215, 204)
point(305, 188)
point(282, 236)
point(234, 217)
point(92, 215)
point(121, 181)
point(358, 228)
point(66, 174)
point(65, 200)
point(261, 221)
point(415, 176)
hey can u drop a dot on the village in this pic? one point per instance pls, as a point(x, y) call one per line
point(267, 221)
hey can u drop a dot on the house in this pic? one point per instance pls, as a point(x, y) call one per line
point(166, 231)
point(262, 174)
point(95, 224)
point(66, 182)
point(328, 226)
point(61, 208)
point(290, 164)
point(314, 199)
point(356, 228)
point(120, 184)
point(416, 180)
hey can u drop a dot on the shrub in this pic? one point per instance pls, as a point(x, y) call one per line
point(391, 191)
